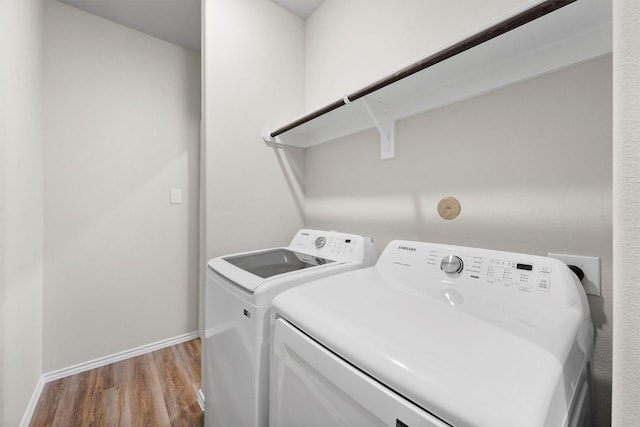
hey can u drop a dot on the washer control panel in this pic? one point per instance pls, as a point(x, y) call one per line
point(332, 244)
point(520, 274)
point(525, 274)
point(473, 268)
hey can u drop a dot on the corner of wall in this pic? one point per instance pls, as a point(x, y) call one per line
point(626, 213)
point(21, 200)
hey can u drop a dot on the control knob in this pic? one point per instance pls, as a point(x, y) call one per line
point(320, 242)
point(451, 265)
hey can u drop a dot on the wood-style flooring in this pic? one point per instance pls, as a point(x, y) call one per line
point(155, 389)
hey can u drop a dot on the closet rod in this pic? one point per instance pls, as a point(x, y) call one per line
point(503, 27)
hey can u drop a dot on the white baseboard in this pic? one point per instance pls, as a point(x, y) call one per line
point(117, 357)
point(31, 407)
point(201, 399)
point(97, 363)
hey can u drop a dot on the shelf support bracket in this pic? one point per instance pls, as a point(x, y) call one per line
point(268, 139)
point(386, 127)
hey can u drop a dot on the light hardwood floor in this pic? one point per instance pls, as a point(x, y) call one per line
point(155, 389)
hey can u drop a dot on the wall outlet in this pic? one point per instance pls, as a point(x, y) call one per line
point(589, 265)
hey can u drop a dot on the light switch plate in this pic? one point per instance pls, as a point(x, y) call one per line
point(176, 196)
point(589, 265)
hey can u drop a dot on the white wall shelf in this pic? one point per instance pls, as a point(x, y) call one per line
point(573, 33)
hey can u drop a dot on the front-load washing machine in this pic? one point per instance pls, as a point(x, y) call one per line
point(239, 291)
point(434, 335)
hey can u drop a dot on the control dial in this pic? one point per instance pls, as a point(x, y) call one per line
point(320, 241)
point(451, 265)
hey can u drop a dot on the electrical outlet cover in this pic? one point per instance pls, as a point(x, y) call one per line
point(589, 265)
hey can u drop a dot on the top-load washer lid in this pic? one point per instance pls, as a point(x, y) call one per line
point(275, 261)
point(311, 254)
point(499, 340)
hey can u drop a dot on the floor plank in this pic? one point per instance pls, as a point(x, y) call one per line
point(155, 389)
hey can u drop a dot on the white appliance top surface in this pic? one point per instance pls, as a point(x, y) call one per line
point(310, 253)
point(499, 344)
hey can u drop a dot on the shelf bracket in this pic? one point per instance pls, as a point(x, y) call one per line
point(268, 139)
point(386, 127)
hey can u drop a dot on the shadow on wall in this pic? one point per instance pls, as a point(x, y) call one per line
point(598, 315)
point(291, 161)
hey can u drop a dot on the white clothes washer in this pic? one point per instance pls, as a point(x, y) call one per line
point(239, 291)
point(434, 335)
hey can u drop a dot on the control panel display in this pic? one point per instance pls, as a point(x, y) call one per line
point(334, 245)
point(524, 276)
point(471, 272)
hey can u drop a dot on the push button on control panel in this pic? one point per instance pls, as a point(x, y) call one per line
point(544, 283)
point(525, 286)
point(545, 269)
point(544, 280)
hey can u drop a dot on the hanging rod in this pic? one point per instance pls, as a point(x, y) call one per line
point(494, 31)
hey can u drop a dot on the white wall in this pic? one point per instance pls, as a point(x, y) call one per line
point(122, 113)
point(254, 59)
point(21, 246)
point(354, 42)
point(253, 76)
point(626, 213)
point(530, 164)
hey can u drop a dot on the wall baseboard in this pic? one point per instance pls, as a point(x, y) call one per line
point(97, 363)
point(201, 399)
point(117, 357)
point(31, 407)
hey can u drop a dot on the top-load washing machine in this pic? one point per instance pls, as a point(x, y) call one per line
point(239, 291)
point(434, 335)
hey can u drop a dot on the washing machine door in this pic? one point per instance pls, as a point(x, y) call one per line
point(273, 262)
point(250, 270)
point(312, 387)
